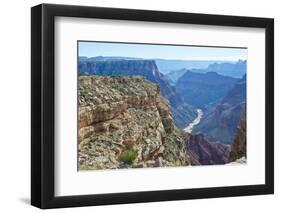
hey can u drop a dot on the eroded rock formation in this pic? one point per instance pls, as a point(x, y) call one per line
point(239, 147)
point(125, 122)
point(203, 152)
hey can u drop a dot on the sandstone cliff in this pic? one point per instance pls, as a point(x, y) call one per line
point(124, 122)
point(239, 147)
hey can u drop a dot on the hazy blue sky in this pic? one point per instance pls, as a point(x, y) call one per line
point(92, 49)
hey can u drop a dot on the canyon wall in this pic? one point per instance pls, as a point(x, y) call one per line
point(124, 122)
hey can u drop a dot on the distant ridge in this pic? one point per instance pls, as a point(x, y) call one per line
point(164, 65)
point(236, 70)
point(107, 58)
point(203, 89)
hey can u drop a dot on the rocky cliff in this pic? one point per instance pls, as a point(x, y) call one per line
point(182, 112)
point(239, 147)
point(203, 152)
point(124, 122)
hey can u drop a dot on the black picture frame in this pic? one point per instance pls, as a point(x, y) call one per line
point(43, 102)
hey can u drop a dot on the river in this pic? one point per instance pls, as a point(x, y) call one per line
point(195, 122)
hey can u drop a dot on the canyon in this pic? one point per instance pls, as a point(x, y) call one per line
point(132, 116)
point(221, 121)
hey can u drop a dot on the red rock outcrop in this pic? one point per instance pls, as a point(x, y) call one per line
point(203, 152)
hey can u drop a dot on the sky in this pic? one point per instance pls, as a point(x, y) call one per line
point(148, 51)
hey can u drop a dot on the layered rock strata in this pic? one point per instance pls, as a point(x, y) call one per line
point(124, 122)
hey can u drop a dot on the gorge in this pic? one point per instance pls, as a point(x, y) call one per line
point(130, 116)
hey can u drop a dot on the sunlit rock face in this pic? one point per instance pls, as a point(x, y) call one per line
point(124, 122)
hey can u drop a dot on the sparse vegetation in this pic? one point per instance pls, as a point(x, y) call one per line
point(128, 156)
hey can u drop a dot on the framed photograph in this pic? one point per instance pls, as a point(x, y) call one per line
point(139, 106)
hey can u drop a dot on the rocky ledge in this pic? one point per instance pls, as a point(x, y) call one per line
point(124, 122)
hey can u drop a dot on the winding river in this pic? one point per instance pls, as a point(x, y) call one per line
point(195, 122)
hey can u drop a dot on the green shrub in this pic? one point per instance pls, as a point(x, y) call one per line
point(128, 156)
